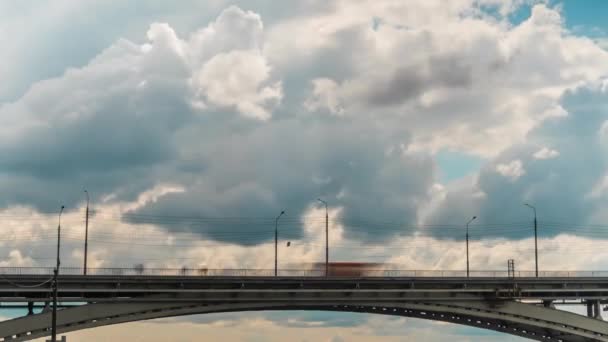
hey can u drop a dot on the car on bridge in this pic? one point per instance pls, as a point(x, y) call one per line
point(348, 269)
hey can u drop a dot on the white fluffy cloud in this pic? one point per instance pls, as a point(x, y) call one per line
point(512, 170)
point(234, 29)
point(603, 42)
point(143, 114)
point(546, 153)
point(230, 69)
point(324, 96)
point(438, 89)
point(237, 79)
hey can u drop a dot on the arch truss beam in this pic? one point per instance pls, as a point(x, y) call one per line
point(511, 317)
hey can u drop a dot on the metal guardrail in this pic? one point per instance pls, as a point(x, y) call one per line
point(202, 272)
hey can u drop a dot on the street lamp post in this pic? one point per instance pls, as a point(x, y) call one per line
point(276, 238)
point(86, 233)
point(467, 238)
point(326, 237)
point(55, 285)
point(535, 238)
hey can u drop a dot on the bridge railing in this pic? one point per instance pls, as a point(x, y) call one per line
point(208, 272)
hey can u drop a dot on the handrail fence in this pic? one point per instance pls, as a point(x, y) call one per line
point(209, 272)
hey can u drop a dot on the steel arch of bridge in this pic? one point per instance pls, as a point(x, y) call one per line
point(511, 317)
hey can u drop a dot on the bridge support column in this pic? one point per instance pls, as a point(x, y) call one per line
point(594, 309)
point(597, 310)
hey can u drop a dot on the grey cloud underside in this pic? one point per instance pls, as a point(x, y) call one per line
point(287, 164)
point(330, 61)
point(410, 82)
point(117, 139)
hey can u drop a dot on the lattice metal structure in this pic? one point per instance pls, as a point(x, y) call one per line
point(511, 268)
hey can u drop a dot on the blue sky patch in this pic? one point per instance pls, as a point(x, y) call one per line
point(582, 17)
point(454, 165)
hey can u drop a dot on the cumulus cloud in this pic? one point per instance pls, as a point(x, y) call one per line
point(512, 170)
point(119, 123)
point(569, 184)
point(233, 29)
point(237, 79)
point(508, 90)
point(603, 42)
point(178, 109)
point(230, 69)
point(16, 259)
point(324, 96)
point(546, 153)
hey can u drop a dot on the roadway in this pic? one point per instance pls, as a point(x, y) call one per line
point(133, 288)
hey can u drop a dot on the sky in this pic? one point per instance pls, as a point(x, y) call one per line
point(192, 125)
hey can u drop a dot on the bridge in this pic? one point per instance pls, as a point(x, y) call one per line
point(516, 303)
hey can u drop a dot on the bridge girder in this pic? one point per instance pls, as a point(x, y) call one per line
point(511, 317)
